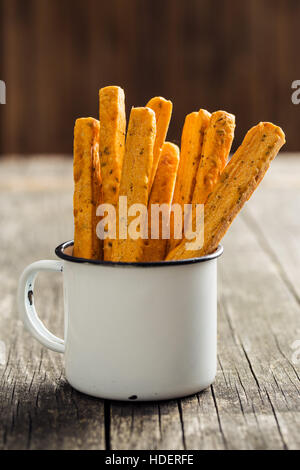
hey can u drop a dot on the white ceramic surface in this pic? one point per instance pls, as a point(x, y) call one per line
point(132, 332)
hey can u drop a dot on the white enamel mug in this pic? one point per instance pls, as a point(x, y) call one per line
point(133, 331)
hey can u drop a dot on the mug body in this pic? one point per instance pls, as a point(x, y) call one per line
point(140, 332)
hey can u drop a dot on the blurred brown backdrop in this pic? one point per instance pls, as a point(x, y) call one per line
point(241, 56)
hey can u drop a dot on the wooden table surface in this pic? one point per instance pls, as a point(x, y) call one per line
point(254, 402)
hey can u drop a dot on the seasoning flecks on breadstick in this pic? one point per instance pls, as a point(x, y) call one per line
point(112, 146)
point(217, 143)
point(161, 193)
point(240, 178)
point(88, 191)
point(163, 112)
point(135, 178)
point(191, 147)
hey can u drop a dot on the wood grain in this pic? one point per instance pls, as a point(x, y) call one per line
point(254, 402)
point(54, 58)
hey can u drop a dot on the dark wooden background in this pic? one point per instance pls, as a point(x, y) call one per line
point(238, 55)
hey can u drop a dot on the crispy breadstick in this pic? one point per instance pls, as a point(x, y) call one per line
point(163, 112)
point(191, 148)
point(161, 193)
point(112, 146)
point(216, 147)
point(240, 178)
point(135, 177)
point(88, 190)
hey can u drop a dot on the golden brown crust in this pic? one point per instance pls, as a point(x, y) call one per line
point(238, 181)
point(161, 193)
point(112, 146)
point(191, 147)
point(135, 177)
point(163, 112)
point(88, 189)
point(216, 147)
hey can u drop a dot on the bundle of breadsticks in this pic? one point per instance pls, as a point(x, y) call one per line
point(140, 164)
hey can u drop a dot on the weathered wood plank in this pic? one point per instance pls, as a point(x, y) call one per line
point(274, 216)
point(147, 426)
point(262, 314)
point(197, 46)
point(254, 403)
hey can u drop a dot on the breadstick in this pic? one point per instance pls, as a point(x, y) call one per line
point(161, 193)
point(112, 146)
point(216, 147)
point(163, 112)
point(240, 178)
point(191, 148)
point(88, 191)
point(135, 177)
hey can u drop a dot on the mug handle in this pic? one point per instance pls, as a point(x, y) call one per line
point(27, 308)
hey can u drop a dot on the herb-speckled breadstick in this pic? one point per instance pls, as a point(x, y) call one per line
point(112, 146)
point(161, 193)
point(135, 177)
point(216, 147)
point(163, 112)
point(240, 178)
point(191, 148)
point(87, 192)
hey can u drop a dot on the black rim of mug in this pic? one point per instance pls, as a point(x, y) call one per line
point(60, 252)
